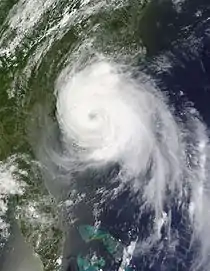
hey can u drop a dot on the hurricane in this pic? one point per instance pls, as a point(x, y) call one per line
point(107, 116)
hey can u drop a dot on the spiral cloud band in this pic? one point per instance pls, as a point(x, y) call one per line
point(105, 116)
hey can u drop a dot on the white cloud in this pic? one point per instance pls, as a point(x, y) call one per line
point(10, 184)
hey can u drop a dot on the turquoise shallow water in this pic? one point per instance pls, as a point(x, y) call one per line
point(38, 39)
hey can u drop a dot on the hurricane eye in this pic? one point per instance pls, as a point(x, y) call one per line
point(93, 116)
